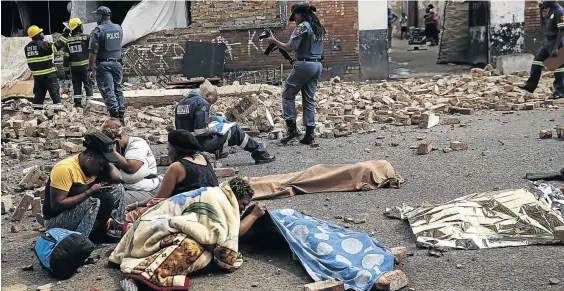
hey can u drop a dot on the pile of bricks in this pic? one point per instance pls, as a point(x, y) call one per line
point(342, 109)
point(346, 108)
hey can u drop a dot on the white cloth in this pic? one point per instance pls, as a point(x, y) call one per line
point(138, 149)
point(156, 15)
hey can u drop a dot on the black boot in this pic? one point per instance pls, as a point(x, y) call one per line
point(309, 136)
point(262, 157)
point(557, 95)
point(526, 87)
point(293, 132)
point(114, 114)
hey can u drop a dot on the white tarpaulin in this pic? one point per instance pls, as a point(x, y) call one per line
point(151, 16)
point(14, 64)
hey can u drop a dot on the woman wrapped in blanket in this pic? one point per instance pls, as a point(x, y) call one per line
point(185, 233)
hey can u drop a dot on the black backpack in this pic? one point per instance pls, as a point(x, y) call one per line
point(62, 251)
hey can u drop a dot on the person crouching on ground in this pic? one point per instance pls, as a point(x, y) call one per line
point(77, 194)
point(189, 171)
point(137, 166)
point(192, 114)
point(307, 42)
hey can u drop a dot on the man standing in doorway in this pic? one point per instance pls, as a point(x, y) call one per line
point(105, 59)
point(392, 17)
point(553, 29)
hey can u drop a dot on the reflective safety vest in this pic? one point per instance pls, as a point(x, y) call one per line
point(77, 46)
point(40, 54)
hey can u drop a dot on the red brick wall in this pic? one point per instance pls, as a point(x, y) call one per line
point(533, 28)
point(238, 24)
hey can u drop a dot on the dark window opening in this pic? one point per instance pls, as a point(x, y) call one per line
point(478, 14)
point(18, 16)
point(188, 12)
point(119, 9)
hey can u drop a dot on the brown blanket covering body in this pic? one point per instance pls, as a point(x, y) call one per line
point(367, 175)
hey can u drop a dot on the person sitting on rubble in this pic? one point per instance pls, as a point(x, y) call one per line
point(78, 195)
point(137, 166)
point(190, 170)
point(192, 114)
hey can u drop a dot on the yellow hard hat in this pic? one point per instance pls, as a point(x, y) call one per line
point(74, 23)
point(34, 30)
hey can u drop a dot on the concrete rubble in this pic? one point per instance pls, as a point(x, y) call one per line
point(343, 108)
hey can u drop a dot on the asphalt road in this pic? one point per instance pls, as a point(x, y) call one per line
point(501, 149)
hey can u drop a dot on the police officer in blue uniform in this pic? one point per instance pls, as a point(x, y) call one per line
point(105, 60)
point(553, 29)
point(193, 114)
point(307, 42)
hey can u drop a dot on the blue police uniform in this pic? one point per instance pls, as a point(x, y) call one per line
point(106, 40)
point(305, 74)
point(193, 113)
point(554, 22)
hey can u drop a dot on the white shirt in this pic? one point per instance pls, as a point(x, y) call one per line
point(138, 149)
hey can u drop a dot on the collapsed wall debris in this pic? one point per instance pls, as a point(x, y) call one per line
point(342, 108)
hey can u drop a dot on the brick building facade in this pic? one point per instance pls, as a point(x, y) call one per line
point(238, 25)
point(533, 28)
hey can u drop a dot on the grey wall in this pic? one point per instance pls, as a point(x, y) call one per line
point(373, 54)
point(83, 10)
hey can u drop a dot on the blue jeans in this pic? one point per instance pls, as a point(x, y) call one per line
point(302, 78)
point(109, 76)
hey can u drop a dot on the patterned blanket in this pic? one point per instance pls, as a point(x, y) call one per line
point(180, 235)
point(329, 251)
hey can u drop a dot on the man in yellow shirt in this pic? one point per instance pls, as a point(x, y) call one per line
point(78, 194)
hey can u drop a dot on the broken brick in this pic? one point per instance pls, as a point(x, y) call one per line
point(57, 154)
point(328, 285)
point(424, 148)
point(7, 203)
point(22, 207)
point(458, 146)
point(225, 172)
point(544, 134)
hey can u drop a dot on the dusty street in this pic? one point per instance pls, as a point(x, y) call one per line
point(502, 147)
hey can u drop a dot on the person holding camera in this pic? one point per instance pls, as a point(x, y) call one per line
point(307, 42)
point(79, 194)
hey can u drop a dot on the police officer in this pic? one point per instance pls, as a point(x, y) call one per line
point(77, 48)
point(192, 114)
point(553, 28)
point(105, 53)
point(307, 42)
point(39, 54)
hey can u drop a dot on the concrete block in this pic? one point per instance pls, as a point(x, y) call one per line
point(509, 64)
point(7, 203)
point(328, 285)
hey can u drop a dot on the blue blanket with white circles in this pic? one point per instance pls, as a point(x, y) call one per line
point(327, 250)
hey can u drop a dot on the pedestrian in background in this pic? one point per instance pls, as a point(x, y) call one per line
point(431, 29)
point(403, 24)
point(392, 17)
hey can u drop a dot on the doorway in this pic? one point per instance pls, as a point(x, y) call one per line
point(414, 50)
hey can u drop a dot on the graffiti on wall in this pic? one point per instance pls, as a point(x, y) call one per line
point(152, 57)
point(266, 76)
